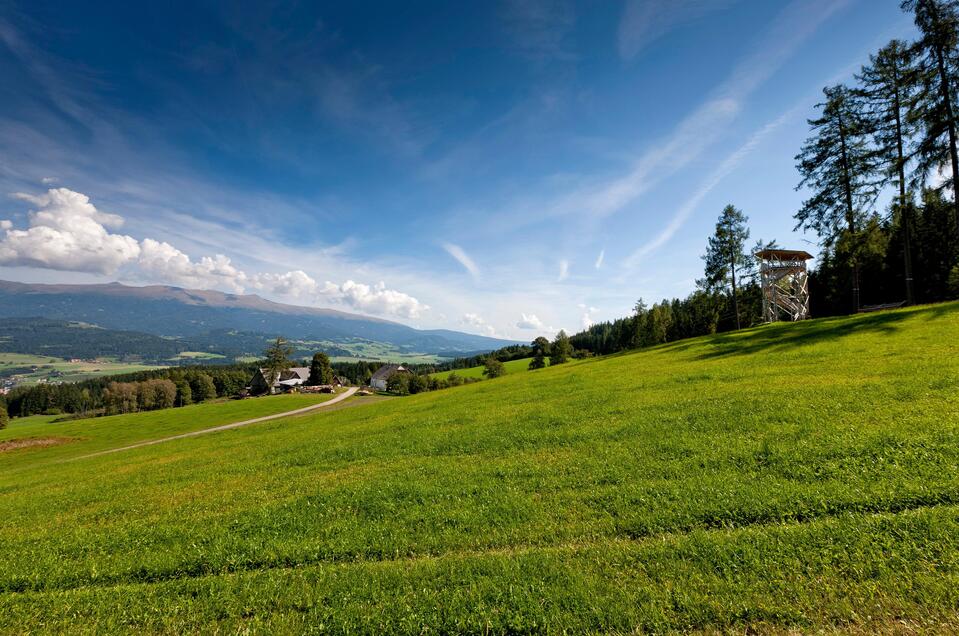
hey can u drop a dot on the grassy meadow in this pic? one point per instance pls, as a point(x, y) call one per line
point(513, 366)
point(90, 435)
point(787, 478)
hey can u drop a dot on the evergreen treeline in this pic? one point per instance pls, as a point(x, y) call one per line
point(140, 391)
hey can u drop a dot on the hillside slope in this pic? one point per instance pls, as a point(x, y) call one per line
point(198, 315)
point(790, 477)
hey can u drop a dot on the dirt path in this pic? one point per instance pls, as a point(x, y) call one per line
point(225, 427)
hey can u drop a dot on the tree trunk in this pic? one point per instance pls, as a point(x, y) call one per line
point(732, 270)
point(850, 214)
point(951, 126)
point(904, 206)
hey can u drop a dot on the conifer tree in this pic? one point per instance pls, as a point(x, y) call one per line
point(937, 47)
point(837, 164)
point(726, 255)
point(320, 370)
point(561, 349)
point(277, 359)
point(888, 86)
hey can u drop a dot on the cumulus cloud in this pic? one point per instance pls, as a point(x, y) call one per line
point(297, 284)
point(588, 319)
point(476, 321)
point(529, 322)
point(375, 299)
point(66, 232)
point(162, 261)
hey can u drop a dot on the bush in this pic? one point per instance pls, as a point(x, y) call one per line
point(398, 383)
point(4, 418)
point(418, 384)
point(494, 368)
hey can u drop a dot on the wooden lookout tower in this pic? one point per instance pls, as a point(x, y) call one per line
point(785, 284)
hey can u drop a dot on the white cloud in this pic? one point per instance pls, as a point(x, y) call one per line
point(539, 28)
point(375, 299)
point(162, 261)
point(644, 21)
point(603, 197)
point(587, 320)
point(600, 258)
point(529, 322)
point(463, 258)
point(563, 271)
point(297, 284)
point(477, 322)
point(729, 164)
point(48, 180)
point(66, 232)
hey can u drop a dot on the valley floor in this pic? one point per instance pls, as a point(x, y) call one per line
point(789, 478)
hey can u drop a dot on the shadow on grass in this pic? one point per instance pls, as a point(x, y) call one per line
point(809, 332)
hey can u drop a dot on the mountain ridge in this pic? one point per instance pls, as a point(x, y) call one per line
point(165, 310)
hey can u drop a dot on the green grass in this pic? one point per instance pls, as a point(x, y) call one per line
point(198, 355)
point(60, 370)
point(786, 478)
point(513, 366)
point(99, 433)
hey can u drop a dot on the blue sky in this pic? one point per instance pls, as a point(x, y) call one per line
point(506, 168)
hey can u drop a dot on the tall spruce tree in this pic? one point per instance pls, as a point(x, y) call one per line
point(277, 359)
point(938, 63)
point(561, 349)
point(726, 255)
point(839, 167)
point(888, 85)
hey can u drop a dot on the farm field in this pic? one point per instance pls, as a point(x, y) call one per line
point(59, 370)
point(788, 478)
point(513, 366)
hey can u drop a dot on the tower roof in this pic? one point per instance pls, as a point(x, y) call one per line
point(784, 255)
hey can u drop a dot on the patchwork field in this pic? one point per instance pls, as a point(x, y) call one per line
point(50, 369)
point(785, 478)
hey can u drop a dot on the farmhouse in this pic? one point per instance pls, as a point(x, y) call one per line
point(383, 374)
point(292, 377)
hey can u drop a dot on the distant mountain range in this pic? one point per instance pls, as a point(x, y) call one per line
point(230, 324)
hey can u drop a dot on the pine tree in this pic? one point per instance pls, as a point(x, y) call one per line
point(888, 86)
point(561, 349)
point(938, 23)
point(277, 359)
point(320, 370)
point(838, 165)
point(726, 255)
